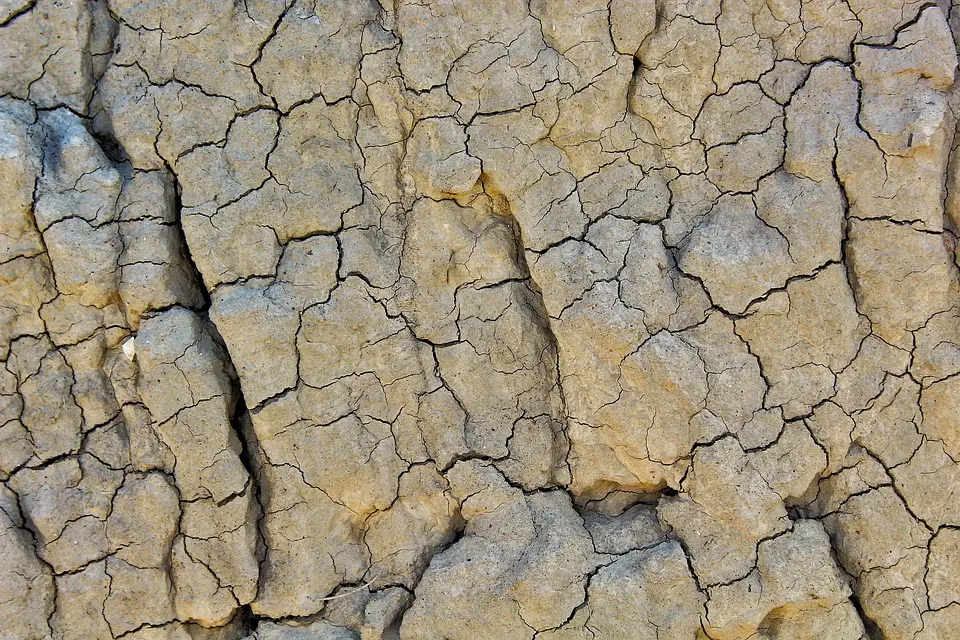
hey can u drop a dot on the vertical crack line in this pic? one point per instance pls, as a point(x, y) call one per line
point(547, 325)
point(241, 421)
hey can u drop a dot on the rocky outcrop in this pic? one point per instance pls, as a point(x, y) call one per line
point(518, 320)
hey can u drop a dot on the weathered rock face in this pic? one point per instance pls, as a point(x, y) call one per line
point(343, 319)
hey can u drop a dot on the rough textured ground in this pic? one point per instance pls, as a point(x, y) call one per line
point(559, 319)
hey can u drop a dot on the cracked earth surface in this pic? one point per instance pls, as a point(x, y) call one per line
point(546, 319)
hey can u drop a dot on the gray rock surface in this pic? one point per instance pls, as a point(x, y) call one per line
point(544, 320)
